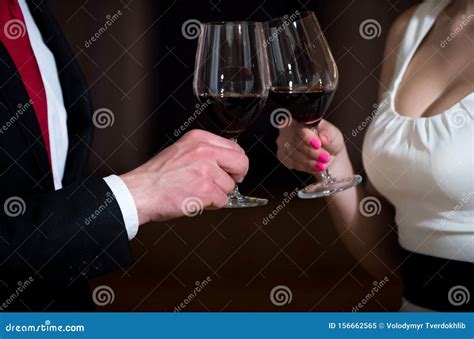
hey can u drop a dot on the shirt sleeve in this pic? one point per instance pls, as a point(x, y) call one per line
point(125, 202)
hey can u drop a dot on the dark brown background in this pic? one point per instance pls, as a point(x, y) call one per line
point(141, 69)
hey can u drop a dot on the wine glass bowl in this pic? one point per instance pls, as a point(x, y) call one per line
point(304, 78)
point(232, 76)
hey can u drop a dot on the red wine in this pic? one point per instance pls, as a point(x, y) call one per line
point(233, 113)
point(307, 104)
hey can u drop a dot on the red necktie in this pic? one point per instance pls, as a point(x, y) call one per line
point(14, 36)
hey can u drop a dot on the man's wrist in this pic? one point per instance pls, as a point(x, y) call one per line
point(126, 204)
point(134, 184)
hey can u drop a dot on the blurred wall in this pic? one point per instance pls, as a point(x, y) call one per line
point(118, 67)
point(141, 69)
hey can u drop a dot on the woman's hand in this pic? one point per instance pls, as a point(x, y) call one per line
point(304, 149)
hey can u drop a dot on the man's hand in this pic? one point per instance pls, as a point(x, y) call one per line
point(200, 167)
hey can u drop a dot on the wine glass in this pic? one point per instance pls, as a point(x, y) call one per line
point(231, 80)
point(304, 79)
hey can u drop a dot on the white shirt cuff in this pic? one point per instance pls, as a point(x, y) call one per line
point(125, 202)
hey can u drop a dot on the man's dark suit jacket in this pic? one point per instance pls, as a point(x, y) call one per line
point(53, 242)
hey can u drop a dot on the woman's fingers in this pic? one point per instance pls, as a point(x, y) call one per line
point(320, 154)
point(309, 137)
point(309, 150)
point(330, 136)
point(297, 158)
point(301, 162)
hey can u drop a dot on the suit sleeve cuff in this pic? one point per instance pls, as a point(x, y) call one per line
point(125, 202)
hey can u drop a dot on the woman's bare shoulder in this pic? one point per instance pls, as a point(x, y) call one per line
point(397, 30)
point(394, 39)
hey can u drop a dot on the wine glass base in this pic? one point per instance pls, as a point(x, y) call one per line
point(242, 201)
point(327, 188)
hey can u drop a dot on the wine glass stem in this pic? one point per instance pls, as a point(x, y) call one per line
point(324, 177)
point(235, 193)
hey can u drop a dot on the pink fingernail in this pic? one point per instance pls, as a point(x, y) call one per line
point(319, 166)
point(323, 157)
point(315, 143)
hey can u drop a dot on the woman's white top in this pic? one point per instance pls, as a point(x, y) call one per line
point(425, 166)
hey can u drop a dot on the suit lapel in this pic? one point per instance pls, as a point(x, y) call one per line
point(76, 99)
point(15, 94)
point(75, 91)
